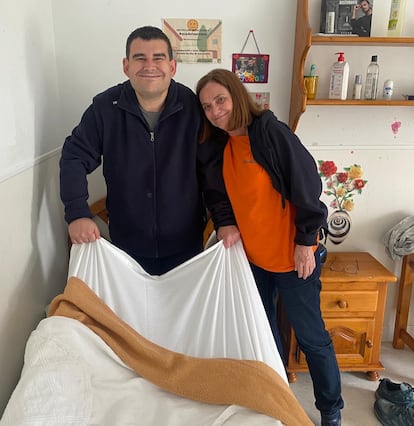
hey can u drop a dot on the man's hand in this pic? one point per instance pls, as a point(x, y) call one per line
point(228, 234)
point(304, 261)
point(83, 230)
point(354, 10)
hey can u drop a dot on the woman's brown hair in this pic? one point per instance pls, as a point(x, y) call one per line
point(244, 107)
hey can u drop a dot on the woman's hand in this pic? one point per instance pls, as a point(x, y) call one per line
point(228, 234)
point(304, 261)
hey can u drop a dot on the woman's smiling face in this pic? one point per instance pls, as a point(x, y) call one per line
point(217, 104)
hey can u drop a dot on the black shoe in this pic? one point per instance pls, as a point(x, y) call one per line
point(398, 393)
point(390, 414)
point(331, 419)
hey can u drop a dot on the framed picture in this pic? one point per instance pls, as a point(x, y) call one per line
point(347, 17)
point(251, 68)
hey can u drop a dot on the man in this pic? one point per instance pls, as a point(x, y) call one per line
point(145, 132)
point(362, 25)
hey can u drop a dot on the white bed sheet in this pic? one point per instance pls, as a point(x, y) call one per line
point(207, 307)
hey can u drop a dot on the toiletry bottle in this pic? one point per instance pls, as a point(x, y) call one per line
point(388, 88)
point(330, 22)
point(396, 20)
point(371, 82)
point(338, 85)
point(356, 94)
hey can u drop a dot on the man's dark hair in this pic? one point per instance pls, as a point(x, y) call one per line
point(148, 33)
point(366, 1)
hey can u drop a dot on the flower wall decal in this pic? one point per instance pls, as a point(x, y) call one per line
point(343, 185)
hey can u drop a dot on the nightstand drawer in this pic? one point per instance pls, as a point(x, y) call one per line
point(337, 302)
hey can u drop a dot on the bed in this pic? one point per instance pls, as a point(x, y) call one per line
point(121, 347)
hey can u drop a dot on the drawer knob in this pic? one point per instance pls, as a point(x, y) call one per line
point(342, 304)
point(369, 344)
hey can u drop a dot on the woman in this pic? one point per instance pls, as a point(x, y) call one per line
point(274, 188)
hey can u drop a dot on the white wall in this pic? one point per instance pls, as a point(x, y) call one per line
point(363, 135)
point(89, 59)
point(72, 50)
point(33, 254)
point(28, 87)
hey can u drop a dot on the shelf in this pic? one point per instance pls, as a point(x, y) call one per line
point(359, 102)
point(304, 39)
point(363, 41)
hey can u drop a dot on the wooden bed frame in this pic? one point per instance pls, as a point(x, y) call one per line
point(99, 209)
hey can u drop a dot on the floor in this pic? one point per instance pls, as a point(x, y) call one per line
point(357, 391)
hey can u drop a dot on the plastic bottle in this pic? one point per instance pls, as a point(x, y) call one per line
point(371, 82)
point(338, 85)
point(388, 88)
point(396, 19)
point(357, 92)
point(330, 22)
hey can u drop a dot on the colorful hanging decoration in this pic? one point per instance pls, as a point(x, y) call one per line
point(251, 67)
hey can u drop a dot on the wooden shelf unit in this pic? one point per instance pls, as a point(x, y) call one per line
point(362, 41)
point(304, 39)
point(359, 102)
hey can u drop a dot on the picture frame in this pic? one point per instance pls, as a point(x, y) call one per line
point(251, 67)
point(338, 17)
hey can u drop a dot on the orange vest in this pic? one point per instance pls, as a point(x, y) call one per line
point(267, 230)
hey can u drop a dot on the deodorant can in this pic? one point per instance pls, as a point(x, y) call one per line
point(388, 88)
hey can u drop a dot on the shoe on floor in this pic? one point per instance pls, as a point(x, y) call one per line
point(331, 419)
point(390, 414)
point(398, 393)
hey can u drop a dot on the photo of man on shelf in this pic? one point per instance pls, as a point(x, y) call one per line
point(361, 24)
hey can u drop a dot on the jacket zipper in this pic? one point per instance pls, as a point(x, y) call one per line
point(154, 195)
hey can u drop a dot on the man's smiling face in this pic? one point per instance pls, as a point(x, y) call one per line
point(149, 68)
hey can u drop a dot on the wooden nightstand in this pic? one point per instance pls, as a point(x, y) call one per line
point(354, 289)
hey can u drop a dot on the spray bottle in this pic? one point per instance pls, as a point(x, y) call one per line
point(338, 85)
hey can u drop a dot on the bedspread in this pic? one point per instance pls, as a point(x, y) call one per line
point(71, 377)
point(108, 360)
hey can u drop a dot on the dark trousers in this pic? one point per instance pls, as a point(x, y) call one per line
point(161, 265)
point(301, 302)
